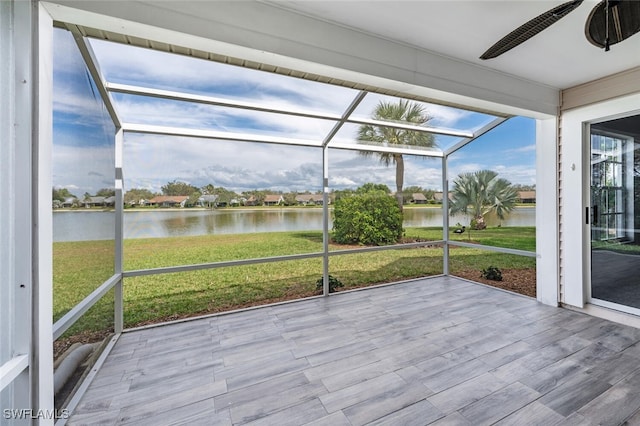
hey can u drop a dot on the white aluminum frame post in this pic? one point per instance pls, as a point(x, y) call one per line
point(25, 173)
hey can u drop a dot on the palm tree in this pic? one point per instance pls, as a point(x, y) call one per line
point(481, 192)
point(402, 112)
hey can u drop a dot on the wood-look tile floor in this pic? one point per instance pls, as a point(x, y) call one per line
point(439, 351)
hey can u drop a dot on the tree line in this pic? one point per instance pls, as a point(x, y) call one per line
point(225, 196)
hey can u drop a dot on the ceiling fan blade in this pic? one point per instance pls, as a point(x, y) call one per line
point(624, 21)
point(529, 29)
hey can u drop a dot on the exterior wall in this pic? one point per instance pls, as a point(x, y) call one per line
point(614, 86)
point(561, 240)
point(609, 98)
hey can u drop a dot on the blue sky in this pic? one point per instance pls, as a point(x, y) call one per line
point(83, 148)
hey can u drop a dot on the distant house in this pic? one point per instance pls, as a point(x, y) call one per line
point(318, 199)
point(527, 197)
point(110, 201)
point(437, 196)
point(418, 198)
point(303, 199)
point(169, 201)
point(141, 202)
point(310, 199)
point(251, 201)
point(94, 202)
point(273, 200)
point(69, 202)
point(208, 200)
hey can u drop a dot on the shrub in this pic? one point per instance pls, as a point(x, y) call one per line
point(333, 284)
point(492, 273)
point(370, 219)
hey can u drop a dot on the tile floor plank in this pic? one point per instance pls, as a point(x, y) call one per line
point(499, 404)
point(465, 393)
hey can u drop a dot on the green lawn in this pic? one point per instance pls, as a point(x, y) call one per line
point(616, 246)
point(79, 267)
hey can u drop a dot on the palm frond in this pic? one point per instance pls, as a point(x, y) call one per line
point(481, 192)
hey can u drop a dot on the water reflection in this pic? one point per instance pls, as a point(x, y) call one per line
point(94, 225)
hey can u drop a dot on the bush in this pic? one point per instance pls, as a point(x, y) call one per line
point(372, 219)
point(333, 284)
point(492, 273)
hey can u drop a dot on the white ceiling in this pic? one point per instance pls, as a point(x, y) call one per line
point(559, 57)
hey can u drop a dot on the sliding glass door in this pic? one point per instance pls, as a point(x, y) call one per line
point(614, 214)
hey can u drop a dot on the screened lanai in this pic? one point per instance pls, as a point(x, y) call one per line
point(167, 118)
point(167, 115)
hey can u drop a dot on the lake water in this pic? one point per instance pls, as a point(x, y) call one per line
point(81, 225)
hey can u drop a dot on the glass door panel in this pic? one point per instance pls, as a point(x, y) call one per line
point(615, 213)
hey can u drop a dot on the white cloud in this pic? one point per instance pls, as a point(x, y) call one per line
point(527, 148)
point(83, 169)
point(206, 117)
point(197, 75)
point(237, 166)
point(446, 116)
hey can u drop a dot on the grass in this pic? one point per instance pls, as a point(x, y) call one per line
point(616, 246)
point(466, 259)
point(517, 237)
point(79, 267)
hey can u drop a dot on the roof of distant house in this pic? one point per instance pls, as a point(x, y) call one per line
point(309, 197)
point(168, 199)
point(304, 197)
point(527, 195)
point(419, 196)
point(272, 198)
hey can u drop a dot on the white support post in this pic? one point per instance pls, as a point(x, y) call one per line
point(118, 319)
point(547, 234)
point(41, 79)
point(445, 216)
point(325, 221)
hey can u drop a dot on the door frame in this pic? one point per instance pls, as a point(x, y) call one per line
point(575, 197)
point(627, 139)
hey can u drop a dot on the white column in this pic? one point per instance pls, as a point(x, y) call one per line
point(547, 235)
point(118, 307)
point(325, 220)
point(445, 215)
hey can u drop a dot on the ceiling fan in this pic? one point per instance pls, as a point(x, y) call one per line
point(610, 22)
